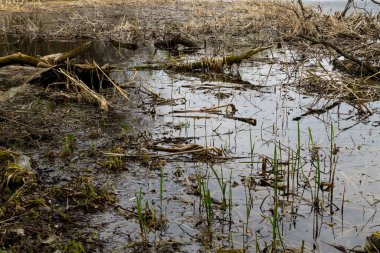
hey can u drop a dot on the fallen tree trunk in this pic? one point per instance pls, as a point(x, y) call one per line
point(62, 57)
point(206, 64)
point(216, 63)
point(19, 58)
point(43, 62)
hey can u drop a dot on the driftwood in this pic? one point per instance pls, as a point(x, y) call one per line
point(19, 58)
point(229, 109)
point(43, 62)
point(173, 151)
point(216, 64)
point(81, 79)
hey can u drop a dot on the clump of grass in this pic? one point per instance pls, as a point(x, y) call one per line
point(68, 145)
point(13, 177)
point(276, 235)
point(147, 217)
point(72, 247)
point(114, 162)
point(13, 5)
point(222, 185)
point(161, 187)
point(205, 198)
point(315, 157)
point(207, 203)
point(83, 193)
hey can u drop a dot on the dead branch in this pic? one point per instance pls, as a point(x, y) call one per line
point(179, 150)
point(302, 8)
point(120, 90)
point(70, 54)
point(251, 121)
point(19, 58)
point(346, 8)
point(370, 68)
point(43, 62)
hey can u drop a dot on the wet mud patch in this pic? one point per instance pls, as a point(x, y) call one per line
point(33, 216)
point(64, 175)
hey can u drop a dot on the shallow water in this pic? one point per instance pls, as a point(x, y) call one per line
point(273, 100)
point(329, 6)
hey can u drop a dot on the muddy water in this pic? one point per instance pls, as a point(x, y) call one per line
point(271, 97)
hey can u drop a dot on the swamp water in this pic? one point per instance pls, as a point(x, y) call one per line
point(270, 95)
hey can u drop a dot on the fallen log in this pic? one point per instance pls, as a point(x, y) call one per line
point(216, 63)
point(206, 64)
point(19, 58)
point(43, 62)
point(62, 57)
point(173, 151)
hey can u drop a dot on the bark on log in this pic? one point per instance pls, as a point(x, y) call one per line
point(206, 64)
point(19, 58)
point(217, 63)
point(43, 62)
point(68, 55)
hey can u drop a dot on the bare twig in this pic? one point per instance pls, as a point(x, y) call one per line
point(346, 8)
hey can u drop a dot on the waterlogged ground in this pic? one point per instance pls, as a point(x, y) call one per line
point(343, 143)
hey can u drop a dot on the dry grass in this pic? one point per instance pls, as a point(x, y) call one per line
point(263, 20)
point(17, 5)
